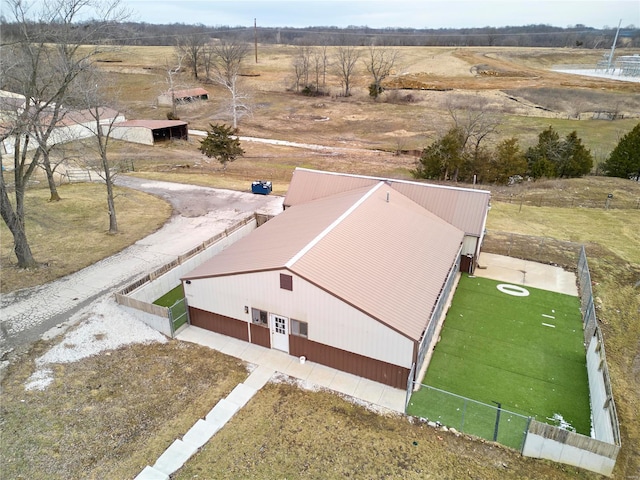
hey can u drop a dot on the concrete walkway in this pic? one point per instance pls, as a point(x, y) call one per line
point(268, 362)
point(183, 449)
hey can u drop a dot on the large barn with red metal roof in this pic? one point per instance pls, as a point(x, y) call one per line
point(354, 274)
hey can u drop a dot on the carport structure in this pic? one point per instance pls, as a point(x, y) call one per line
point(149, 132)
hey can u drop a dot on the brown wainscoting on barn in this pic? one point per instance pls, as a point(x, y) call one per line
point(260, 335)
point(349, 362)
point(467, 263)
point(219, 323)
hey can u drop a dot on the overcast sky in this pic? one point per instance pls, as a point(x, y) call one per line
point(389, 13)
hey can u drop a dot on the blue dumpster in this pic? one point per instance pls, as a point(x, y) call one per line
point(261, 186)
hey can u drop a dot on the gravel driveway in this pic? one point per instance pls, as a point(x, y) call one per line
point(199, 214)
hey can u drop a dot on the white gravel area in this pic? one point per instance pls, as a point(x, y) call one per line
point(107, 327)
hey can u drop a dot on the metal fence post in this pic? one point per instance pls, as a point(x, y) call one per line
point(524, 436)
point(170, 316)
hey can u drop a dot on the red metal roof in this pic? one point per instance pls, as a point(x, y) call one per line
point(464, 208)
point(372, 247)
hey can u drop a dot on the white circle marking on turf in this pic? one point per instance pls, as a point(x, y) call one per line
point(515, 290)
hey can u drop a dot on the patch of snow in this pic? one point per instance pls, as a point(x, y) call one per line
point(559, 421)
point(107, 328)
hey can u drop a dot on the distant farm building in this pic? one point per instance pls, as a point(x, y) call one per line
point(149, 132)
point(182, 96)
point(73, 124)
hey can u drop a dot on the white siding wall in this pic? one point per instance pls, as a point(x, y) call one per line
point(469, 245)
point(64, 134)
point(331, 321)
point(133, 134)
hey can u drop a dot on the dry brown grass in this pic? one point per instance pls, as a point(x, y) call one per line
point(71, 234)
point(109, 415)
point(287, 432)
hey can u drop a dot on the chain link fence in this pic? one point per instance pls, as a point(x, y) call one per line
point(548, 200)
point(536, 249)
point(490, 422)
point(178, 314)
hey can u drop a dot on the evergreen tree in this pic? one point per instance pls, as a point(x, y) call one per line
point(508, 160)
point(221, 144)
point(624, 160)
point(442, 159)
point(553, 157)
point(575, 159)
point(543, 157)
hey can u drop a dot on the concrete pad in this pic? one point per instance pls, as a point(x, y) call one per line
point(259, 377)
point(298, 370)
point(174, 457)
point(321, 375)
point(222, 412)
point(234, 347)
point(369, 391)
point(344, 383)
point(203, 337)
point(393, 399)
point(150, 473)
point(276, 359)
point(201, 433)
point(241, 395)
point(254, 353)
point(522, 272)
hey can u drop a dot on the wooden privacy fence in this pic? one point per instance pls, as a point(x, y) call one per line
point(573, 439)
point(163, 321)
point(191, 253)
point(151, 308)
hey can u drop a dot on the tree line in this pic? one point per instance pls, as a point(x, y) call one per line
point(536, 35)
point(459, 155)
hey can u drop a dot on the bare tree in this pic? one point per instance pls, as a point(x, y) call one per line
point(103, 120)
point(319, 65)
point(46, 54)
point(228, 57)
point(301, 62)
point(379, 62)
point(474, 120)
point(345, 65)
point(190, 48)
point(173, 69)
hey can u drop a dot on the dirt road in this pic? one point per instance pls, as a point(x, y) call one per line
point(199, 214)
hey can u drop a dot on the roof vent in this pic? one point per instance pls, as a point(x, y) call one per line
point(387, 197)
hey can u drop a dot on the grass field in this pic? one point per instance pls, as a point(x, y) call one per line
point(497, 347)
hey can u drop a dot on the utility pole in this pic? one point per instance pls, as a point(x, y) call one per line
point(255, 37)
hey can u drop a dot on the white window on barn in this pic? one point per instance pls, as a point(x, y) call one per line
point(299, 328)
point(260, 317)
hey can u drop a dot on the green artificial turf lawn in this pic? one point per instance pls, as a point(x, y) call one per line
point(168, 299)
point(179, 311)
point(495, 348)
